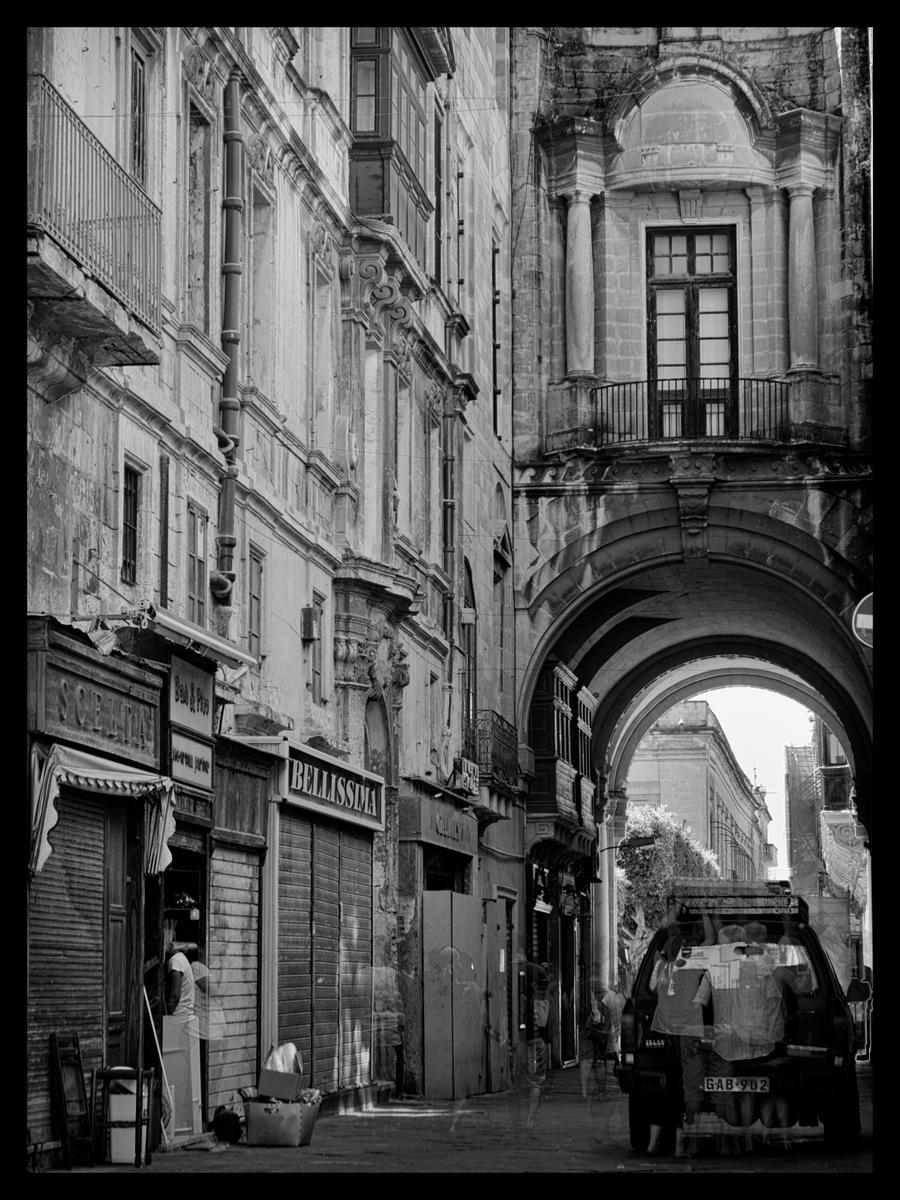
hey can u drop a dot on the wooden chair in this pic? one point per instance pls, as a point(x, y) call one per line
point(70, 1097)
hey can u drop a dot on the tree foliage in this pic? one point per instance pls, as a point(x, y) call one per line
point(644, 874)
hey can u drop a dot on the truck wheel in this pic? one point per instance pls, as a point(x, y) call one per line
point(638, 1124)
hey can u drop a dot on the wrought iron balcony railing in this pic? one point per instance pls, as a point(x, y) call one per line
point(94, 209)
point(659, 410)
point(496, 747)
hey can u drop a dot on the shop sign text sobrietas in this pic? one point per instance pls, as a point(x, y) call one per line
point(322, 784)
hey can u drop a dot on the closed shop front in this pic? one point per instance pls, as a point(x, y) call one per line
point(323, 827)
point(325, 948)
point(243, 784)
point(442, 956)
point(101, 816)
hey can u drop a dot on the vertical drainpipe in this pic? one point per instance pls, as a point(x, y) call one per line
point(227, 431)
point(448, 517)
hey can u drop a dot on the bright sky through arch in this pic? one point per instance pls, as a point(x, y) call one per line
point(759, 724)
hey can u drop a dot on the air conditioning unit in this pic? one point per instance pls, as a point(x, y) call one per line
point(309, 624)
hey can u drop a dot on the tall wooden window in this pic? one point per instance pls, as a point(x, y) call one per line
point(438, 190)
point(388, 105)
point(315, 653)
point(408, 103)
point(131, 494)
point(138, 117)
point(255, 603)
point(163, 531)
point(367, 54)
point(495, 335)
point(692, 334)
point(469, 641)
point(197, 529)
point(198, 220)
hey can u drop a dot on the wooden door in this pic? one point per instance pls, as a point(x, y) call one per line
point(115, 950)
point(123, 936)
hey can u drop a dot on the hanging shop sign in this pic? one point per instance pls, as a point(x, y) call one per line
point(190, 759)
point(316, 781)
point(191, 697)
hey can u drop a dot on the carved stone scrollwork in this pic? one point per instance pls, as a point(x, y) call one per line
point(692, 477)
point(353, 659)
point(323, 247)
point(387, 660)
point(261, 160)
point(55, 368)
point(198, 71)
point(693, 510)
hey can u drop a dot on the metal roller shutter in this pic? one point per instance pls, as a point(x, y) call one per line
point(295, 935)
point(356, 959)
point(66, 936)
point(325, 950)
point(234, 966)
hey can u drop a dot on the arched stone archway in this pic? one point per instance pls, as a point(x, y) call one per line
point(619, 597)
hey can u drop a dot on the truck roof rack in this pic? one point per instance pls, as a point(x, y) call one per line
point(736, 896)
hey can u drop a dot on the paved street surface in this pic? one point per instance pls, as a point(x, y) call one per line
point(487, 1134)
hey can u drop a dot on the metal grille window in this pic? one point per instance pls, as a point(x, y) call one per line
point(197, 522)
point(692, 338)
point(255, 603)
point(130, 509)
point(138, 117)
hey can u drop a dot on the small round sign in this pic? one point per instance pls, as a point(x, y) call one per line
point(862, 620)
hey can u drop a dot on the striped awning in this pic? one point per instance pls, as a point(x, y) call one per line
point(62, 765)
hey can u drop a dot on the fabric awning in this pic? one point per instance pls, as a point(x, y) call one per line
point(50, 769)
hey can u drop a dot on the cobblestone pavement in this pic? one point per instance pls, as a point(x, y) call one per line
point(487, 1134)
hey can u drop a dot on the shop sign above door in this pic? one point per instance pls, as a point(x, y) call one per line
point(191, 760)
point(191, 699)
point(316, 781)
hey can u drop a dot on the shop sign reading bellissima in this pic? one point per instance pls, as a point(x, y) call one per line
point(326, 786)
point(191, 705)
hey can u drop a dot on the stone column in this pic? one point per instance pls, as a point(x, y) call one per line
point(802, 289)
point(579, 286)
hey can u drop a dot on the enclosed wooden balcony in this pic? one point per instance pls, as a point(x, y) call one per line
point(93, 237)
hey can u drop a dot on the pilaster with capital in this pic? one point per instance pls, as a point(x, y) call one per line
point(579, 285)
point(803, 313)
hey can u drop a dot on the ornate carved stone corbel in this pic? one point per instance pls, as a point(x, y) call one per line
point(55, 368)
point(692, 476)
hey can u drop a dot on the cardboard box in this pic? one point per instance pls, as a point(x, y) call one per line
point(283, 1085)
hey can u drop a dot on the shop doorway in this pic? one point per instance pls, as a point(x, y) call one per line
point(453, 1001)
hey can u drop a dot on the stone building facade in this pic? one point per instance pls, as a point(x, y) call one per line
point(269, 468)
point(828, 850)
point(415, 415)
point(685, 763)
point(693, 388)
